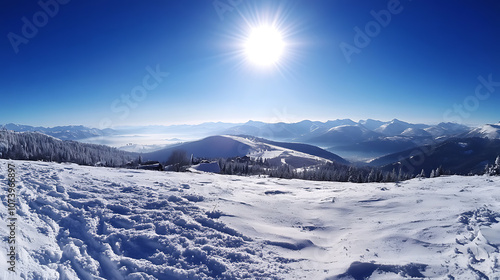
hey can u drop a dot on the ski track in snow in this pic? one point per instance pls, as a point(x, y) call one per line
point(77, 222)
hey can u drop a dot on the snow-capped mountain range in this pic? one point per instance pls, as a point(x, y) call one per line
point(362, 140)
point(490, 131)
point(70, 132)
point(83, 222)
point(226, 146)
point(346, 129)
point(336, 131)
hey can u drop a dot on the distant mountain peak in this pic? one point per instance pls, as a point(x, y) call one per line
point(490, 131)
point(398, 121)
point(69, 132)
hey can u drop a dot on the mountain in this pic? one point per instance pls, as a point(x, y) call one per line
point(415, 132)
point(259, 129)
point(210, 147)
point(447, 129)
point(277, 131)
point(458, 155)
point(366, 139)
point(490, 131)
point(300, 131)
point(397, 127)
point(361, 140)
point(344, 134)
point(372, 124)
point(71, 132)
point(22, 128)
point(294, 154)
point(374, 148)
point(307, 149)
point(339, 122)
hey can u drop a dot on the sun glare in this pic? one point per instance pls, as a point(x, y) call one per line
point(264, 46)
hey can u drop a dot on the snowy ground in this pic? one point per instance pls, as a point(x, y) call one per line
point(77, 222)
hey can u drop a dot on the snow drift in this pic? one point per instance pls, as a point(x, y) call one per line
point(78, 222)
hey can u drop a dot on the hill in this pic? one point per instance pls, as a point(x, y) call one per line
point(256, 148)
point(307, 149)
point(210, 147)
point(38, 146)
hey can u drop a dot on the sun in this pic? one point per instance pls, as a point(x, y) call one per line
point(264, 46)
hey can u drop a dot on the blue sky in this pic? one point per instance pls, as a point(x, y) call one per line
point(85, 57)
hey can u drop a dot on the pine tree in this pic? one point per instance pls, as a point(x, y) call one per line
point(372, 176)
point(495, 170)
point(400, 175)
point(394, 175)
point(439, 171)
point(497, 166)
point(487, 169)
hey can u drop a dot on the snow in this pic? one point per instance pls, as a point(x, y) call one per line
point(78, 222)
point(415, 132)
point(269, 151)
point(395, 127)
point(491, 131)
point(212, 167)
point(340, 128)
point(353, 130)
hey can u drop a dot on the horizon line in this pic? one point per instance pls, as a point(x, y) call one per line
point(242, 123)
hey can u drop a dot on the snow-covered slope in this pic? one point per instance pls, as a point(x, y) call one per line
point(227, 146)
point(490, 131)
point(261, 148)
point(447, 129)
point(371, 124)
point(396, 127)
point(415, 132)
point(78, 222)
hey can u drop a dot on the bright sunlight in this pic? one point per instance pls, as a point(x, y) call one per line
point(264, 46)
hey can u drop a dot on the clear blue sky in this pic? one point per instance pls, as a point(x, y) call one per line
point(84, 56)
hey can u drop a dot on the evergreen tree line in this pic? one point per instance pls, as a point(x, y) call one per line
point(38, 146)
point(325, 172)
point(493, 169)
point(332, 171)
